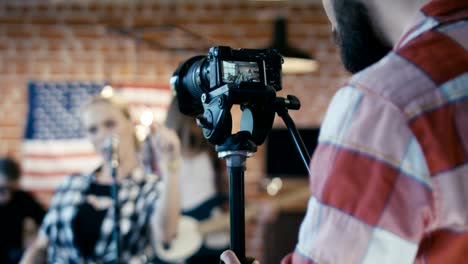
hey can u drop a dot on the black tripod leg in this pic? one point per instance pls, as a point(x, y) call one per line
point(296, 138)
point(237, 215)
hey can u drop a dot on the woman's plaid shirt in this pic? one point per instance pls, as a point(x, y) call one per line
point(137, 198)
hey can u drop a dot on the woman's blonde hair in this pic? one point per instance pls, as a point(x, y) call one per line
point(112, 100)
point(116, 102)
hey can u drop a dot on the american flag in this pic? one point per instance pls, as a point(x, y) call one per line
point(55, 145)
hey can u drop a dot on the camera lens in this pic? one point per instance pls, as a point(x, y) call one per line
point(190, 81)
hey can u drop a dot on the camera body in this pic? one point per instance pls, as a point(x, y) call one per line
point(208, 86)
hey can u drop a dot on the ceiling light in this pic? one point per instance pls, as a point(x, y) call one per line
point(296, 61)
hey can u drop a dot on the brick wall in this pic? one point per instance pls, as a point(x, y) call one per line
point(83, 40)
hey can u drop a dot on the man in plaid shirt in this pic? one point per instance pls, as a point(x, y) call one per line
point(389, 179)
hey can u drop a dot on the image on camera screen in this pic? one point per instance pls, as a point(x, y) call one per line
point(240, 71)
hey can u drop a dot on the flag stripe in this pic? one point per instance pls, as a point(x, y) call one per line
point(59, 146)
point(49, 165)
point(45, 183)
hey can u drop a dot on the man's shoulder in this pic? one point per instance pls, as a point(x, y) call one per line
point(394, 79)
point(423, 70)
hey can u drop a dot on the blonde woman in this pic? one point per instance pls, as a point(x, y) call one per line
point(78, 226)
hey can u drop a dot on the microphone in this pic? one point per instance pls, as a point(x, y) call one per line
point(111, 147)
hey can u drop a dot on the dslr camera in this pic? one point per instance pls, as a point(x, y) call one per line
point(208, 86)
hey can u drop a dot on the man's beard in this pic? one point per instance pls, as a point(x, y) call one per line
point(359, 45)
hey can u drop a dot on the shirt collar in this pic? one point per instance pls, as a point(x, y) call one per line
point(432, 15)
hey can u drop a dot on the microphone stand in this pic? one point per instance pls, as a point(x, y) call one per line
point(114, 164)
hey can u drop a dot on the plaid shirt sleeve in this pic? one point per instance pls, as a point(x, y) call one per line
point(370, 184)
point(51, 217)
point(388, 178)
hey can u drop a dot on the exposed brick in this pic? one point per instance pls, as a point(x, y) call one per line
point(11, 132)
point(52, 31)
point(10, 147)
point(19, 31)
point(78, 20)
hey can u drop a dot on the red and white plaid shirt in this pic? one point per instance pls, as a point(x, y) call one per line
point(390, 175)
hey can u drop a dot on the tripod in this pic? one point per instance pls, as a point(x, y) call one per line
point(235, 150)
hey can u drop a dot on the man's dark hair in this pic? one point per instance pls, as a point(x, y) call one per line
point(10, 168)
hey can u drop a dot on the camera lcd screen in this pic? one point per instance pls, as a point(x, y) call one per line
point(240, 71)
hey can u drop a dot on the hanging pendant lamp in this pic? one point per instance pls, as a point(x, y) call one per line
point(296, 61)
